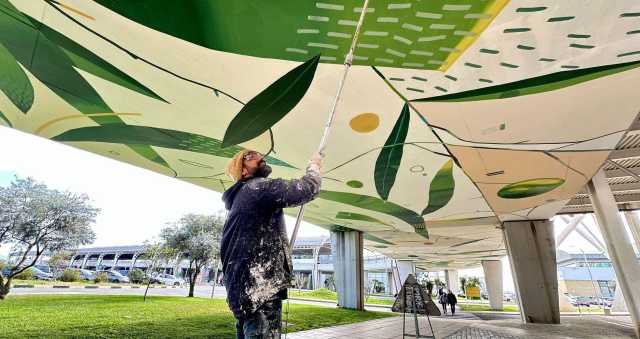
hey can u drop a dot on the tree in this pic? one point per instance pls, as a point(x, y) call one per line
point(58, 262)
point(35, 219)
point(463, 284)
point(198, 237)
point(155, 254)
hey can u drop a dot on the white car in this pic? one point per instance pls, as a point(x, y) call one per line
point(167, 279)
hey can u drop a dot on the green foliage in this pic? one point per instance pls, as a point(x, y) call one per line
point(101, 277)
point(463, 283)
point(390, 156)
point(94, 316)
point(70, 275)
point(136, 276)
point(24, 275)
point(473, 282)
point(3, 264)
point(198, 236)
point(271, 105)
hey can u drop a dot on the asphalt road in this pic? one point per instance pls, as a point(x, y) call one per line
point(200, 291)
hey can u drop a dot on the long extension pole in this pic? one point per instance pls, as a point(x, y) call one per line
point(348, 60)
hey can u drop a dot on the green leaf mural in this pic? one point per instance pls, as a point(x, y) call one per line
point(89, 62)
point(271, 105)
point(359, 217)
point(441, 188)
point(544, 83)
point(53, 61)
point(151, 136)
point(14, 82)
point(529, 188)
point(378, 205)
point(390, 156)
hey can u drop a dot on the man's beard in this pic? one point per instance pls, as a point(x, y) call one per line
point(262, 171)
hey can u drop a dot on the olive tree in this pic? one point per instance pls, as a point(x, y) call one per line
point(155, 254)
point(198, 238)
point(35, 219)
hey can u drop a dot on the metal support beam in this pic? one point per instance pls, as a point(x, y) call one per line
point(571, 226)
point(633, 220)
point(618, 243)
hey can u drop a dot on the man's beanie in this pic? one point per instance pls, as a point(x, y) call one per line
point(234, 168)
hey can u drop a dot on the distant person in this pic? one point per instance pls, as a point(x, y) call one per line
point(444, 299)
point(452, 301)
point(440, 292)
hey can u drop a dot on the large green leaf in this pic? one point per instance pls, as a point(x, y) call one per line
point(151, 136)
point(391, 154)
point(378, 205)
point(535, 85)
point(271, 105)
point(441, 188)
point(14, 82)
point(87, 61)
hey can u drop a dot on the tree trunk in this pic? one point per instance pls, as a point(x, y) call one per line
point(192, 280)
point(4, 289)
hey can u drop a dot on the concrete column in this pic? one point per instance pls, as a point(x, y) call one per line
point(315, 273)
point(493, 278)
point(84, 260)
point(618, 244)
point(634, 226)
point(99, 262)
point(346, 248)
point(453, 283)
point(133, 261)
point(115, 261)
point(532, 253)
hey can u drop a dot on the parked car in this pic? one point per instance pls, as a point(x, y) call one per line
point(37, 274)
point(116, 277)
point(87, 275)
point(167, 279)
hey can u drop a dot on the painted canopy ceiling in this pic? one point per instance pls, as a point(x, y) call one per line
point(456, 116)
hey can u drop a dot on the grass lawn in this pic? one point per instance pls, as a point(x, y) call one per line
point(326, 294)
point(88, 316)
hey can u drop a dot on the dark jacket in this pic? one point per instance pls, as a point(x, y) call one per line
point(254, 247)
point(451, 299)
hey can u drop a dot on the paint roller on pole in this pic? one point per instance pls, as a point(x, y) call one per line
point(348, 60)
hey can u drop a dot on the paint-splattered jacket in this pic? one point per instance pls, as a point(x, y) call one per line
point(254, 246)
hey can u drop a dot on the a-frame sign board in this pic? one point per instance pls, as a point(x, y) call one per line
point(414, 300)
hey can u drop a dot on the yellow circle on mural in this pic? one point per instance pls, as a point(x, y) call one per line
point(365, 122)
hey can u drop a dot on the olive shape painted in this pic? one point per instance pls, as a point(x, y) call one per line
point(529, 188)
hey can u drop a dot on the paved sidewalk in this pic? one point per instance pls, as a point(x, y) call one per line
point(469, 326)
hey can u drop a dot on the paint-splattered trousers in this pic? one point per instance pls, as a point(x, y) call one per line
point(265, 323)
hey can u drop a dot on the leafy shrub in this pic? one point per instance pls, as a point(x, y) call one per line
point(24, 275)
point(70, 275)
point(136, 276)
point(101, 277)
point(3, 264)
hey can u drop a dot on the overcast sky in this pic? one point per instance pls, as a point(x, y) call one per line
point(135, 203)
